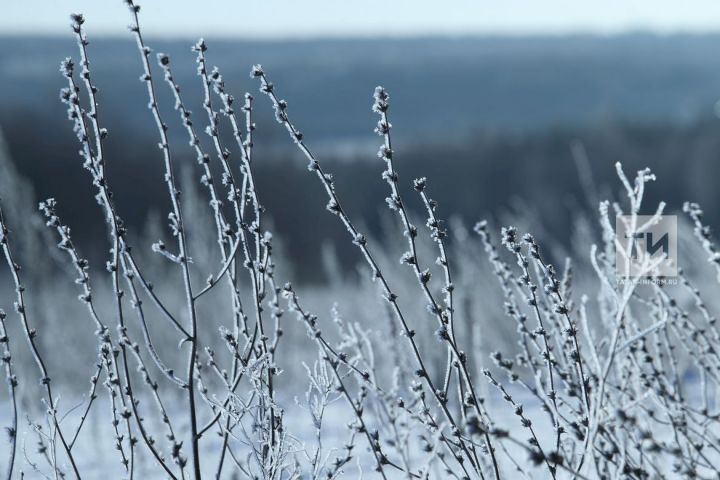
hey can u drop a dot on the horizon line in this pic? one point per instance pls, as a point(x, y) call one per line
point(489, 35)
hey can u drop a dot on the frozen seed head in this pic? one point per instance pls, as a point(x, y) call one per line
point(333, 207)
point(381, 100)
point(393, 202)
point(280, 113)
point(385, 153)
point(442, 334)
point(693, 209)
point(509, 237)
point(407, 258)
point(383, 128)
point(66, 68)
point(65, 97)
point(256, 71)
point(200, 46)
point(77, 20)
point(359, 240)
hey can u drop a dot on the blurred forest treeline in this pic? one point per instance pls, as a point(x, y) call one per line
point(490, 121)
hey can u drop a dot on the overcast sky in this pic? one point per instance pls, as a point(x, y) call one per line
point(310, 18)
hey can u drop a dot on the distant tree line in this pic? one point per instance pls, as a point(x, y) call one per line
point(487, 174)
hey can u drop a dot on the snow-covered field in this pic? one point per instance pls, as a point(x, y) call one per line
point(97, 457)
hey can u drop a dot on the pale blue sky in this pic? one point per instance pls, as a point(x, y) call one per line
point(308, 18)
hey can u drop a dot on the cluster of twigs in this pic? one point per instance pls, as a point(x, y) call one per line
point(606, 381)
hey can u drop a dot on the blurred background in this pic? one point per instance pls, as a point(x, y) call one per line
point(516, 111)
point(511, 110)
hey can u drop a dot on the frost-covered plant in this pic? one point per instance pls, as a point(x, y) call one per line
point(621, 386)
